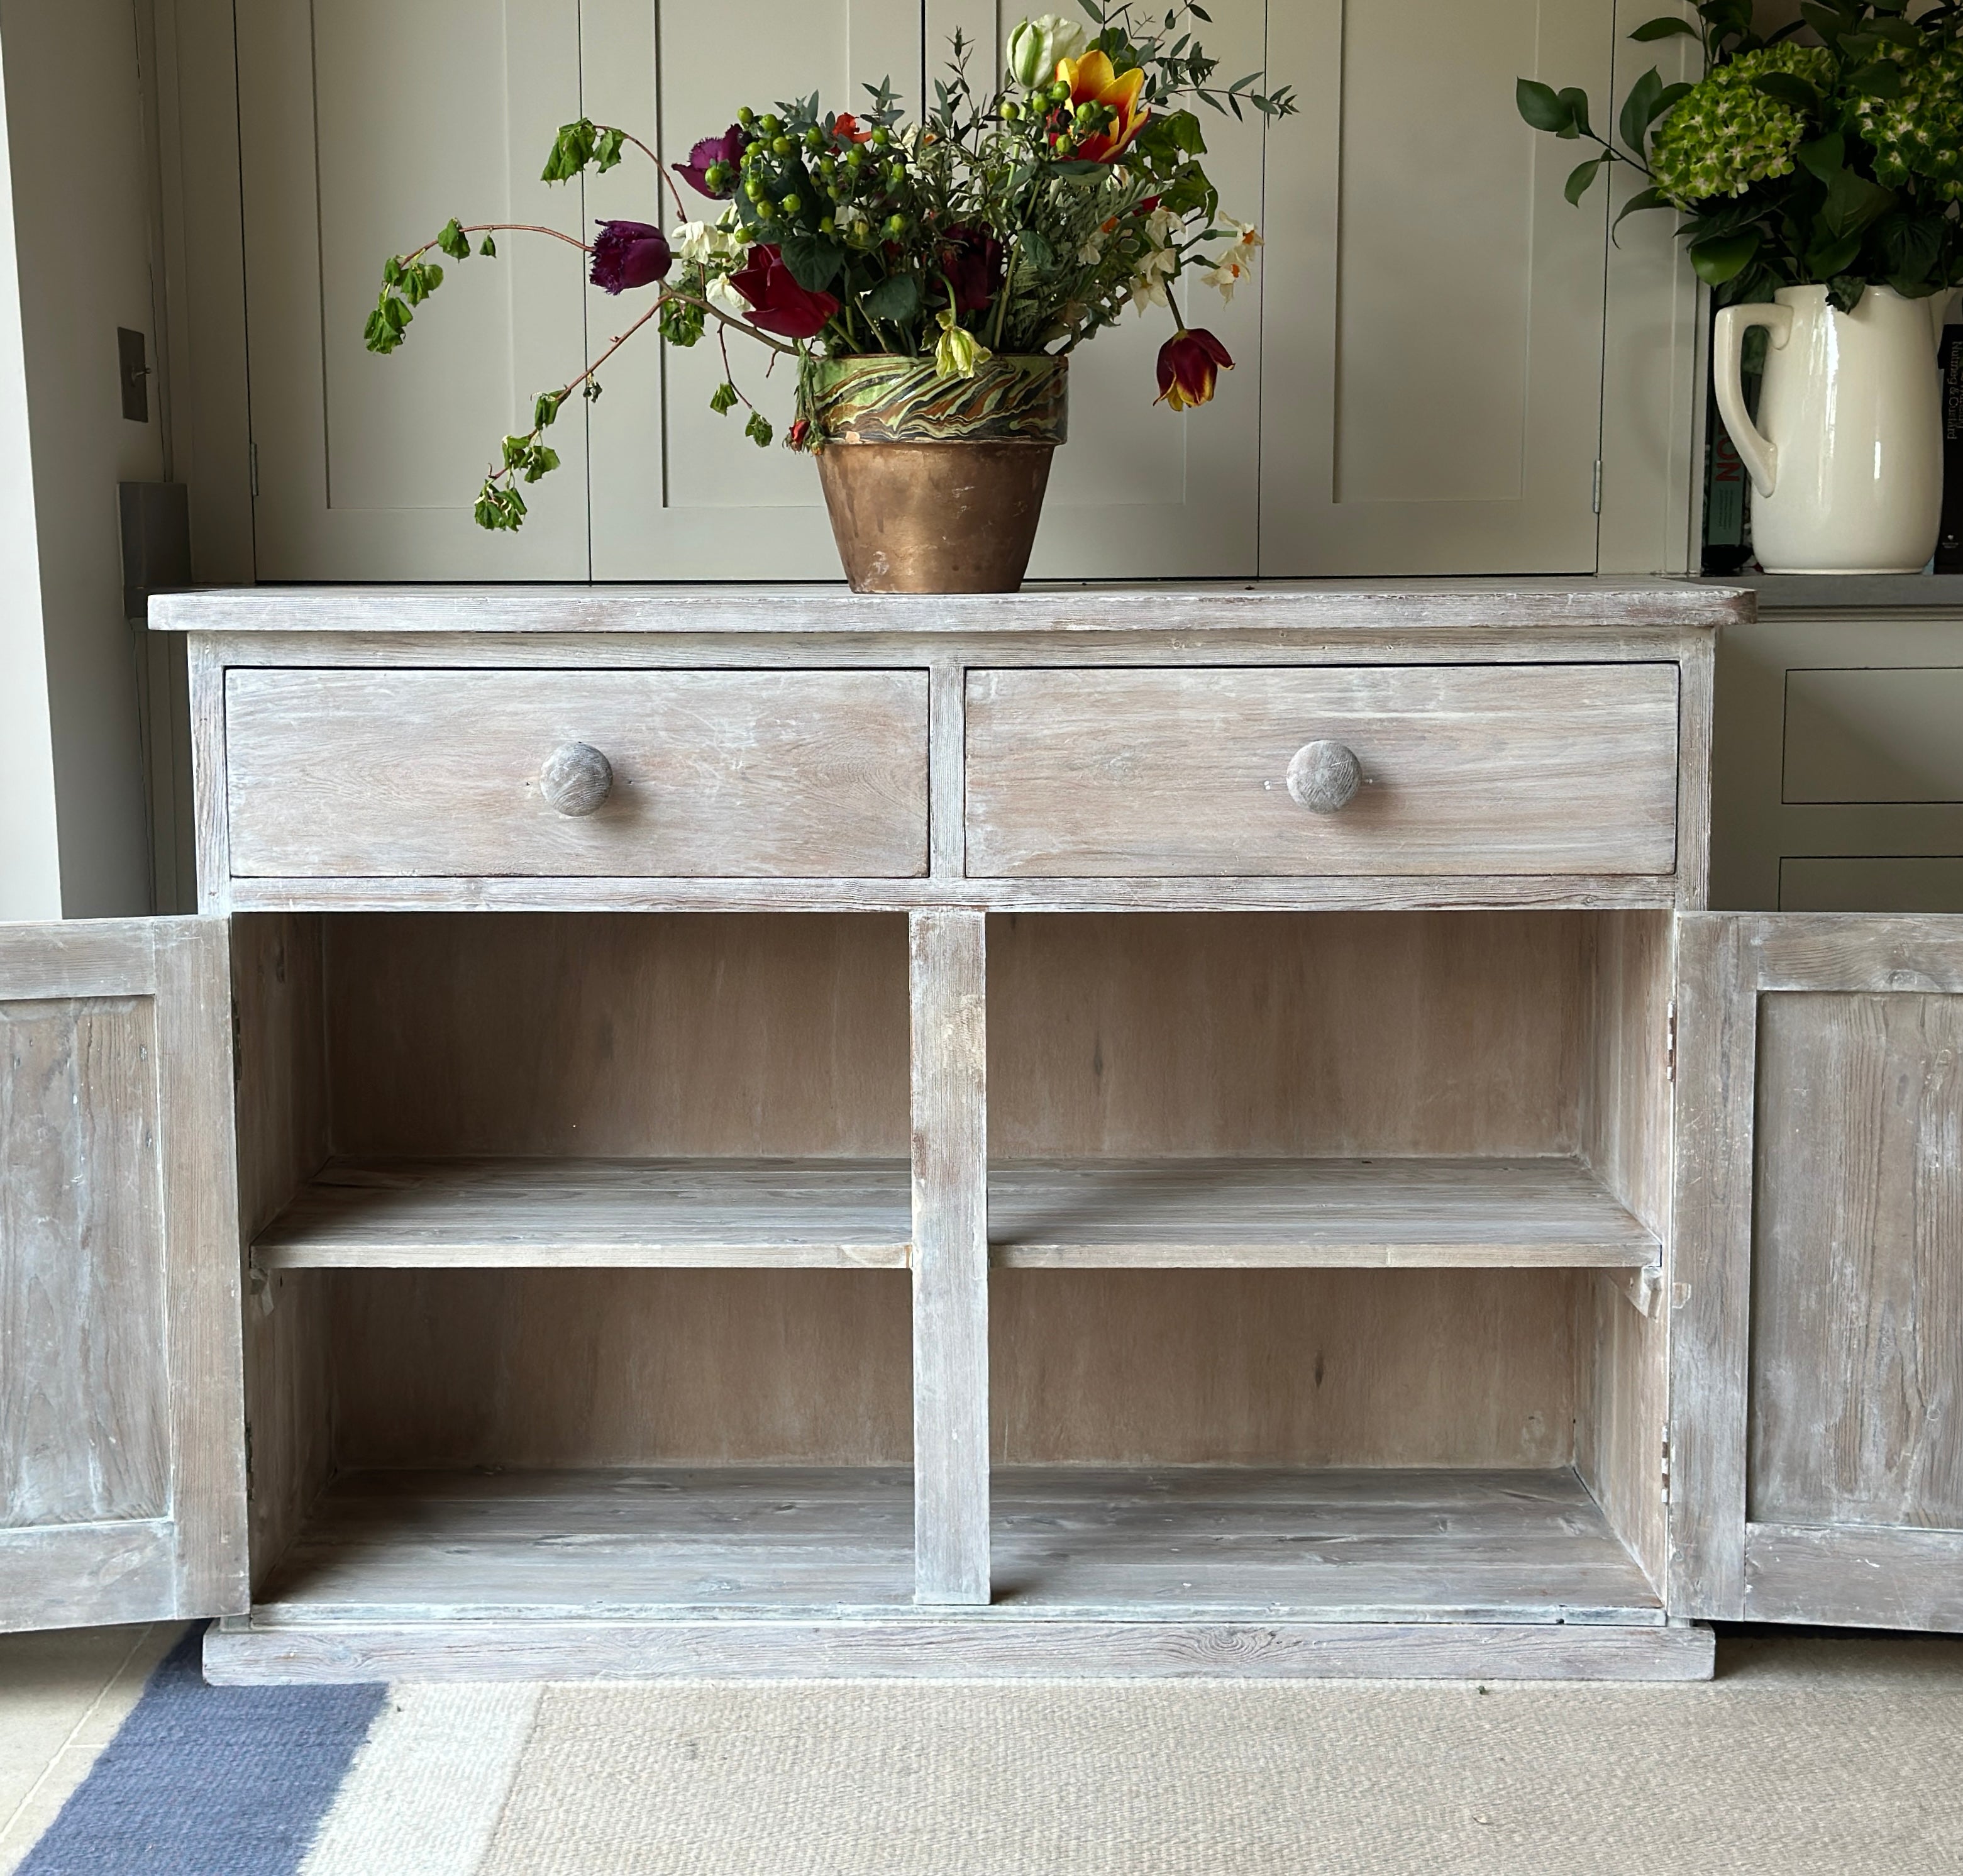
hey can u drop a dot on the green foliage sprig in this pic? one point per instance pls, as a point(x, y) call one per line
point(1828, 151)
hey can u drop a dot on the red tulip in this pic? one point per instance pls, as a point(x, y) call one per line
point(1188, 362)
point(781, 305)
point(972, 260)
point(629, 254)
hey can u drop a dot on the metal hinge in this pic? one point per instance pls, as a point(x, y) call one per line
point(1670, 1043)
point(1666, 1468)
point(252, 454)
point(1597, 497)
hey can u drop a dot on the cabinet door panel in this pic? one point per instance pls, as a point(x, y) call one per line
point(1139, 492)
point(678, 492)
point(1433, 305)
point(1818, 1347)
point(122, 1486)
point(365, 125)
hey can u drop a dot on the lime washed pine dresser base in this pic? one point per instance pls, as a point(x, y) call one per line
point(1156, 1131)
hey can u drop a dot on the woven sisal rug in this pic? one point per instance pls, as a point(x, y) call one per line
point(1806, 1755)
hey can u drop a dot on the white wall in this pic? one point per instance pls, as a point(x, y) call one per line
point(30, 862)
point(78, 261)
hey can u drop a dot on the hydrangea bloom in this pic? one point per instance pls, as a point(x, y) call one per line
point(1920, 133)
point(1726, 135)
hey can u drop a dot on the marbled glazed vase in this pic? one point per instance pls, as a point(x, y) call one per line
point(935, 484)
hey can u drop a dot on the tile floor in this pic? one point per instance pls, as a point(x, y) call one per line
point(62, 1695)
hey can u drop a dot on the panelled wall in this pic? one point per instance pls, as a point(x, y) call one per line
point(1420, 384)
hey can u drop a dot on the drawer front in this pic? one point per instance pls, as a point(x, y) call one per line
point(716, 774)
point(1463, 770)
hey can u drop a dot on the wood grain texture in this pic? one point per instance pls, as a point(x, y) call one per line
point(542, 1368)
point(1472, 605)
point(1350, 1036)
point(209, 788)
point(618, 1036)
point(1326, 1368)
point(1866, 1577)
point(1710, 1297)
point(409, 1214)
point(1467, 769)
point(1385, 1545)
point(1625, 1131)
point(121, 1449)
point(810, 774)
point(1328, 892)
point(278, 986)
point(84, 1425)
point(970, 1646)
point(950, 1236)
point(198, 1135)
point(1857, 1257)
point(1218, 1213)
point(565, 1214)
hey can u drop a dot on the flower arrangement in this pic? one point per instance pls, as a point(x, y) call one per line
point(1838, 163)
point(1022, 217)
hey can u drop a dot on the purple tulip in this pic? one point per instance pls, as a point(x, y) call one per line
point(629, 254)
point(726, 149)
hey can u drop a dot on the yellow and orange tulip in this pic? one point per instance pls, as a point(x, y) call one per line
point(1092, 80)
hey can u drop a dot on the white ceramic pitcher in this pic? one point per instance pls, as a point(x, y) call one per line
point(1846, 456)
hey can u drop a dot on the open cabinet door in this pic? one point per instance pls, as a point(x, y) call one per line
point(1816, 1407)
point(122, 1440)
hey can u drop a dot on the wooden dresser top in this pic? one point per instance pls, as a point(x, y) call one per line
point(1320, 605)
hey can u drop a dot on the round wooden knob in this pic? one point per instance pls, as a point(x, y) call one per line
point(576, 778)
point(1323, 776)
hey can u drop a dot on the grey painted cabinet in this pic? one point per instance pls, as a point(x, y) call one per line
point(1419, 382)
point(122, 1458)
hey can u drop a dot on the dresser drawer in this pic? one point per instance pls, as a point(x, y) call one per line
point(1465, 769)
point(386, 773)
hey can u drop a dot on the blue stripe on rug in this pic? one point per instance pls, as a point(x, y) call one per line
point(209, 1780)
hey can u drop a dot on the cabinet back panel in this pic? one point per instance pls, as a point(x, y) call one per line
point(618, 1035)
point(1857, 1298)
point(1277, 1033)
point(1323, 1367)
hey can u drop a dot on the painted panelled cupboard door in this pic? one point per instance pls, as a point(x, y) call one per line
point(1139, 491)
point(122, 1458)
point(1432, 364)
point(1817, 1395)
point(678, 492)
point(364, 126)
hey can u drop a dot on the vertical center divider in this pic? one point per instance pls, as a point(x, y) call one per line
point(947, 970)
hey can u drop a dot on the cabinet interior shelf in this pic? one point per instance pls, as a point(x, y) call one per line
point(1224, 1543)
point(1550, 1213)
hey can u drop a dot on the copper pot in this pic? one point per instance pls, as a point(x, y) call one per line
point(935, 484)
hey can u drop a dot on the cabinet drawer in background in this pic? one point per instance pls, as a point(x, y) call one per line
point(1495, 769)
point(386, 773)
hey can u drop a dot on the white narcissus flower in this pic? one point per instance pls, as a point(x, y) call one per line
point(1226, 273)
point(701, 242)
point(1247, 237)
point(1092, 253)
point(1149, 283)
point(1159, 225)
point(725, 299)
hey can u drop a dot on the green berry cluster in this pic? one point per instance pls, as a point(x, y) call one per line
point(801, 176)
point(1727, 134)
point(1919, 133)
